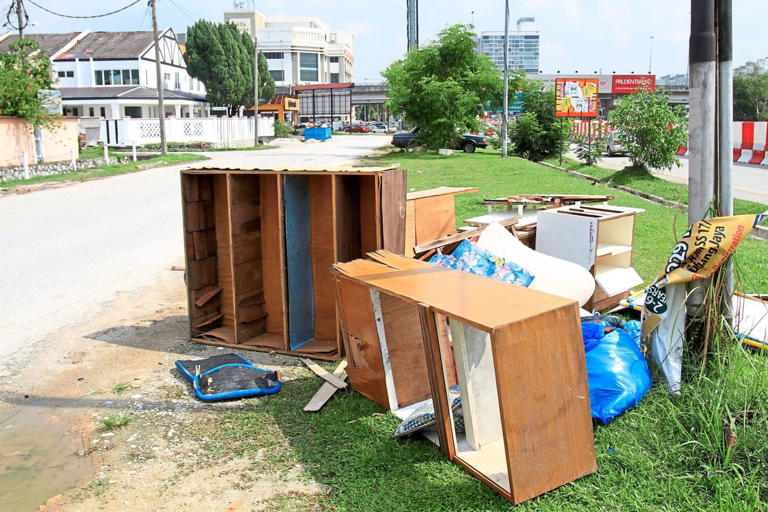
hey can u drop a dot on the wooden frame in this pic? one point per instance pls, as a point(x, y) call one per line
point(516, 354)
point(235, 249)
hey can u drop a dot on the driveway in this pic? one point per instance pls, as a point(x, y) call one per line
point(750, 182)
point(68, 251)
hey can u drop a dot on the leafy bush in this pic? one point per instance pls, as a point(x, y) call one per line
point(538, 133)
point(282, 129)
point(25, 70)
point(588, 151)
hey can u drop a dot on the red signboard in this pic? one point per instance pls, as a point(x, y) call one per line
point(626, 84)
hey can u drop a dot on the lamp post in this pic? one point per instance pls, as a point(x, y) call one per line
point(650, 57)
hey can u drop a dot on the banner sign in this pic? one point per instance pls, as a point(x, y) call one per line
point(702, 250)
point(627, 84)
point(576, 97)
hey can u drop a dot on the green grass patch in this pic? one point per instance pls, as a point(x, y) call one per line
point(115, 421)
point(106, 170)
point(120, 388)
point(641, 179)
point(89, 152)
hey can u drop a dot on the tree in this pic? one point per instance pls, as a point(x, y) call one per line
point(441, 87)
point(221, 57)
point(538, 133)
point(25, 70)
point(649, 129)
point(750, 91)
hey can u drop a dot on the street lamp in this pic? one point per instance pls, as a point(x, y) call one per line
point(650, 57)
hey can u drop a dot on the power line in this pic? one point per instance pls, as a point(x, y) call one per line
point(184, 11)
point(83, 17)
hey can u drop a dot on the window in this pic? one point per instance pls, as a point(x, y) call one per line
point(91, 112)
point(334, 78)
point(177, 81)
point(113, 76)
point(273, 55)
point(117, 77)
point(134, 112)
point(334, 59)
point(278, 75)
point(308, 67)
point(103, 111)
point(65, 74)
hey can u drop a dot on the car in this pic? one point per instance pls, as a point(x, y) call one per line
point(612, 144)
point(467, 143)
point(358, 129)
point(379, 128)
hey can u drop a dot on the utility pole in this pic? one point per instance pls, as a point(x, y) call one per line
point(650, 57)
point(725, 131)
point(413, 24)
point(160, 103)
point(255, 90)
point(505, 100)
point(19, 12)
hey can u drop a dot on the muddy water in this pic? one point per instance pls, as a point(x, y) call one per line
point(41, 455)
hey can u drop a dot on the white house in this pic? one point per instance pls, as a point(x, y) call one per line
point(112, 74)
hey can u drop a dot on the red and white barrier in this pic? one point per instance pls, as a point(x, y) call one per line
point(750, 140)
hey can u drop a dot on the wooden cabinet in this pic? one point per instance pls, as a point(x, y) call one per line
point(600, 239)
point(413, 329)
point(429, 215)
point(259, 245)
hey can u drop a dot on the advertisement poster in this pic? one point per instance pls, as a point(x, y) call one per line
point(576, 97)
point(628, 84)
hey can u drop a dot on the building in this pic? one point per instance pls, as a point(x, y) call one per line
point(523, 46)
point(112, 74)
point(300, 50)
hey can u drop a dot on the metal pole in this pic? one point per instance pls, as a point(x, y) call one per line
point(505, 99)
point(255, 90)
point(650, 57)
point(19, 11)
point(701, 162)
point(413, 24)
point(160, 103)
point(725, 130)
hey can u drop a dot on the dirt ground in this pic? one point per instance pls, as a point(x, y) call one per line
point(121, 364)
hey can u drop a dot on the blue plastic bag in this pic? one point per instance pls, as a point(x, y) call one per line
point(616, 369)
point(468, 258)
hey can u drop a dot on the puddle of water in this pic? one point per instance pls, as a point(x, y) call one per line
point(38, 456)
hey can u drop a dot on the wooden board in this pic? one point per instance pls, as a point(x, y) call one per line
point(369, 215)
point(323, 373)
point(392, 205)
point(440, 191)
point(347, 213)
point(272, 250)
point(326, 391)
point(323, 255)
point(224, 267)
point(434, 218)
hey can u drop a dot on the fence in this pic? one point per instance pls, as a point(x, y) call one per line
point(217, 131)
point(20, 143)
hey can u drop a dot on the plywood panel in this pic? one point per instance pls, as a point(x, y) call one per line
point(365, 370)
point(542, 379)
point(272, 254)
point(410, 227)
point(406, 350)
point(224, 249)
point(347, 206)
point(323, 251)
point(434, 218)
point(369, 215)
point(393, 191)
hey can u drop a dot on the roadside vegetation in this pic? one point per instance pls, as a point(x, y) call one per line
point(107, 170)
point(700, 451)
point(115, 421)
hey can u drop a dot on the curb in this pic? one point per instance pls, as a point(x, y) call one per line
point(758, 232)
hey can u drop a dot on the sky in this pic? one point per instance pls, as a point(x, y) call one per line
point(576, 35)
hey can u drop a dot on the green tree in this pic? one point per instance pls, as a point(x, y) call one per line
point(545, 136)
point(441, 87)
point(220, 56)
point(750, 91)
point(25, 70)
point(649, 129)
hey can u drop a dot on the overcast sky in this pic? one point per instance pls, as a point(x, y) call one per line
point(583, 35)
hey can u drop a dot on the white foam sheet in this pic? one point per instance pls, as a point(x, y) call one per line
point(551, 275)
point(750, 317)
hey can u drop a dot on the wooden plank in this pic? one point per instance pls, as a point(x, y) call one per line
point(247, 247)
point(369, 226)
point(202, 273)
point(246, 217)
point(326, 391)
point(393, 192)
point(323, 373)
point(434, 218)
point(447, 240)
point(206, 294)
point(323, 250)
point(548, 429)
point(410, 227)
point(207, 320)
point(347, 213)
point(272, 255)
point(439, 191)
point(187, 183)
point(224, 249)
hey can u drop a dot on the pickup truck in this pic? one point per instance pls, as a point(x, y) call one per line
point(467, 143)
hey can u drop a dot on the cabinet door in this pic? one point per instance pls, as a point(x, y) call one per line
point(568, 237)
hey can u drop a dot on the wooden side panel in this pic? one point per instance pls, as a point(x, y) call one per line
point(348, 232)
point(366, 369)
point(272, 250)
point(323, 255)
point(434, 218)
point(410, 227)
point(393, 192)
point(406, 350)
point(224, 248)
point(542, 381)
point(369, 226)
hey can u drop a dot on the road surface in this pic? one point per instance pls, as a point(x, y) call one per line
point(750, 182)
point(67, 251)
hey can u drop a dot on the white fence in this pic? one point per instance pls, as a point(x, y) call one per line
point(217, 131)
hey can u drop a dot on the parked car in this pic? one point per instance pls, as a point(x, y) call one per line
point(467, 143)
point(379, 128)
point(358, 129)
point(612, 144)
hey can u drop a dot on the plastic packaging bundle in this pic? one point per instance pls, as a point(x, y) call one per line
point(616, 369)
point(468, 258)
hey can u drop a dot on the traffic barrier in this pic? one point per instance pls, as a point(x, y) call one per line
point(750, 140)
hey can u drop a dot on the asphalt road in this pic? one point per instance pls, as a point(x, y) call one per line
point(68, 251)
point(750, 182)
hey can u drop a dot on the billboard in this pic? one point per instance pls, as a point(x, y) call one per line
point(576, 97)
point(627, 84)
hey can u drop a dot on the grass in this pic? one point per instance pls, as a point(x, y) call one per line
point(120, 388)
point(94, 152)
point(115, 421)
point(667, 454)
point(641, 179)
point(104, 170)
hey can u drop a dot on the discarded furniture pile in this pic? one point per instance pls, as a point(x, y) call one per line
point(484, 333)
